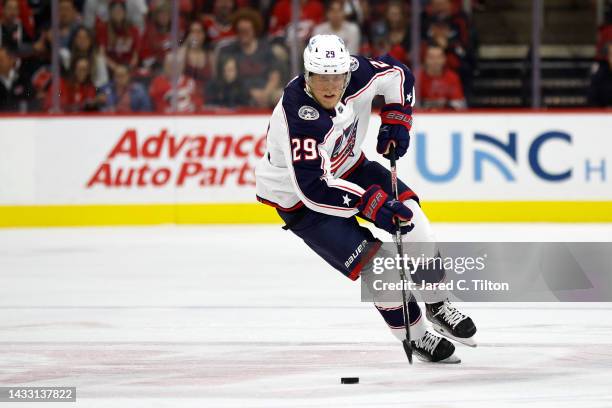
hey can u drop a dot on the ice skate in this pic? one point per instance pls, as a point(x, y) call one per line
point(451, 323)
point(434, 349)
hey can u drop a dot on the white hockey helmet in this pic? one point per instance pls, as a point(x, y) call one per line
point(327, 54)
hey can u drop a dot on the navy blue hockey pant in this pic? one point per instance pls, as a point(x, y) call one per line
point(342, 242)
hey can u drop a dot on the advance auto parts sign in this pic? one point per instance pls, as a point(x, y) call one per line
point(130, 159)
point(164, 159)
point(210, 159)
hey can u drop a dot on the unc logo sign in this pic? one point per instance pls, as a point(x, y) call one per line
point(308, 113)
point(482, 157)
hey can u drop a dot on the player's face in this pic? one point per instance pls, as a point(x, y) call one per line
point(327, 89)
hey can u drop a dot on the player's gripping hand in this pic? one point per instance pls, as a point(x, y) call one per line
point(378, 207)
point(395, 128)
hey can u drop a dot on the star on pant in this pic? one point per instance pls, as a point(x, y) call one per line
point(347, 200)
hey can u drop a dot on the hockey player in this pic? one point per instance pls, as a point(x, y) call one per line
point(316, 176)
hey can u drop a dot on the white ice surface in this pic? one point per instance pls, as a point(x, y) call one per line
point(248, 317)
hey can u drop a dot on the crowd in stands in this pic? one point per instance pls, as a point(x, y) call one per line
point(600, 90)
point(118, 55)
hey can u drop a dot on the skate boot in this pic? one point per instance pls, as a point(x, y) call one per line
point(450, 322)
point(434, 349)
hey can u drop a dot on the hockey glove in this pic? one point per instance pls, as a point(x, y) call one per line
point(395, 128)
point(378, 207)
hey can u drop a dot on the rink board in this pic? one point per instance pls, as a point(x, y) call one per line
point(515, 167)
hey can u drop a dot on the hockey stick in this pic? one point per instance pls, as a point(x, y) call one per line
point(400, 250)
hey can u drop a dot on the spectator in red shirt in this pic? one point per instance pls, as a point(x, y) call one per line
point(312, 13)
point(439, 86)
point(119, 38)
point(218, 26)
point(189, 98)
point(77, 93)
point(157, 40)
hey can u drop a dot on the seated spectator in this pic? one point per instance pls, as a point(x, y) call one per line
point(354, 11)
point(68, 19)
point(380, 44)
point(444, 23)
point(198, 61)
point(26, 16)
point(257, 65)
point(604, 38)
point(13, 34)
point(442, 34)
point(125, 96)
point(77, 92)
point(399, 30)
point(600, 91)
point(189, 98)
point(218, 25)
point(157, 40)
point(119, 38)
point(15, 89)
point(604, 34)
point(439, 86)
point(336, 24)
point(82, 44)
point(96, 13)
point(446, 10)
point(41, 82)
point(228, 91)
point(37, 15)
point(312, 13)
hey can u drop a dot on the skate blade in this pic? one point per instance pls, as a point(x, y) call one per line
point(469, 341)
point(453, 359)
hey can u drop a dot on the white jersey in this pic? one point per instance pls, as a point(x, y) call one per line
point(310, 149)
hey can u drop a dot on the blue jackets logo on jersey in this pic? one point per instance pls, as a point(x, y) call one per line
point(308, 113)
point(347, 140)
point(344, 146)
point(354, 64)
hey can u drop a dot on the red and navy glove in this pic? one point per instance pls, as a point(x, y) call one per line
point(395, 128)
point(378, 207)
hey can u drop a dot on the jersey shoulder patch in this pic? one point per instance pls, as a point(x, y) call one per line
point(304, 116)
point(307, 112)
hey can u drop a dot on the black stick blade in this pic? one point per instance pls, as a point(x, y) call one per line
point(408, 349)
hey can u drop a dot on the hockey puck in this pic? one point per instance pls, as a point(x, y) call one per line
point(349, 380)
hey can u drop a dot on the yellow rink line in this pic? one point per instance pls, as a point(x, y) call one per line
point(255, 213)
